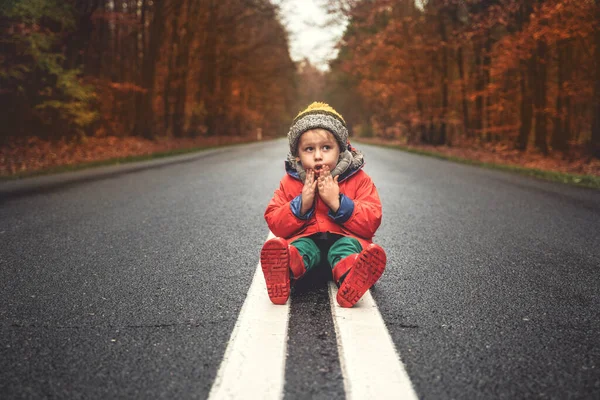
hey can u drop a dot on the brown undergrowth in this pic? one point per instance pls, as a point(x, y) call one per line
point(36, 155)
point(576, 162)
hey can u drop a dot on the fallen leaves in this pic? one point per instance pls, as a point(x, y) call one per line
point(577, 162)
point(34, 154)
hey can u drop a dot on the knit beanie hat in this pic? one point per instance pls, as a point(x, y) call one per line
point(318, 115)
point(321, 115)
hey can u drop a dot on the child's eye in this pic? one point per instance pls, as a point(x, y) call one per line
point(326, 147)
point(308, 149)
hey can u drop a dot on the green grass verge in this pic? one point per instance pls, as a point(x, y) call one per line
point(589, 181)
point(111, 161)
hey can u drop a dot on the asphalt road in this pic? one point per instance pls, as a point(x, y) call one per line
point(126, 282)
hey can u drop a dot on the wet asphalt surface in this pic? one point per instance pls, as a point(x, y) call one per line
point(126, 282)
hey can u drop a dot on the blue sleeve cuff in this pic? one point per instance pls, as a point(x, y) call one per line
point(345, 211)
point(296, 206)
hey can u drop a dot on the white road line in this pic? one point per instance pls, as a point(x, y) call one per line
point(370, 363)
point(254, 362)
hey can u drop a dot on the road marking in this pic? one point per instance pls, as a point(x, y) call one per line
point(370, 363)
point(254, 362)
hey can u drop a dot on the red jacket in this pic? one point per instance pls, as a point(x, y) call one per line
point(359, 214)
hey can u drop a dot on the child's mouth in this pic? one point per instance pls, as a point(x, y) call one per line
point(318, 169)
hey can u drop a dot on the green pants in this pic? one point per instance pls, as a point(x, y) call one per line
point(336, 247)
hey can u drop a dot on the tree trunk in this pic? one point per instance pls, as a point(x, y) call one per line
point(420, 124)
point(559, 137)
point(463, 88)
point(167, 87)
point(210, 68)
point(541, 142)
point(595, 142)
point(197, 119)
point(487, 63)
point(568, 73)
point(477, 123)
point(441, 139)
point(115, 70)
point(173, 51)
point(419, 134)
point(182, 69)
point(526, 106)
point(77, 42)
point(144, 120)
point(139, 57)
point(526, 71)
point(99, 54)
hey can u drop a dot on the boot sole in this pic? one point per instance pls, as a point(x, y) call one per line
point(367, 269)
point(275, 261)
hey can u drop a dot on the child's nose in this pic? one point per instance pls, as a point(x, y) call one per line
point(318, 154)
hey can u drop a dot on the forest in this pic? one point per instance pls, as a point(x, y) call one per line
point(143, 68)
point(522, 74)
point(448, 72)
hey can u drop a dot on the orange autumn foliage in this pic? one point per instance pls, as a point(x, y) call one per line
point(521, 73)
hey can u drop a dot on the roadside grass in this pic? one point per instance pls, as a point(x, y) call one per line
point(589, 181)
point(111, 161)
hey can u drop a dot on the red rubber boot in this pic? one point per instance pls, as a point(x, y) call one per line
point(364, 270)
point(275, 264)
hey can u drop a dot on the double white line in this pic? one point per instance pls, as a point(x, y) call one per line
point(254, 362)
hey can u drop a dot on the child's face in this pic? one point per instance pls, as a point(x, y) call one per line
point(317, 148)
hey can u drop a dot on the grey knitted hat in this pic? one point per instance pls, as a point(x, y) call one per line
point(318, 115)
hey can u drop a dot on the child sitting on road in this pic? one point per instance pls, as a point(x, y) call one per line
point(326, 206)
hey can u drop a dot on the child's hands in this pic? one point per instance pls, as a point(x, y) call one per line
point(308, 191)
point(329, 190)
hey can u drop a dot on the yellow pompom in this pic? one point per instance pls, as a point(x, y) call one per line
point(318, 106)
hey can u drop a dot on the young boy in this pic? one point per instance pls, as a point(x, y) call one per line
point(326, 206)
